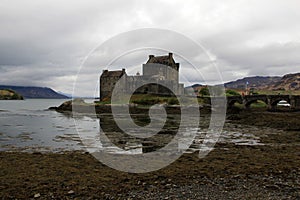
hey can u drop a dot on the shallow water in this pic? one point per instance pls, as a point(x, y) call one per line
point(29, 126)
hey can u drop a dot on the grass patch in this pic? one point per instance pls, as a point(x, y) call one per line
point(258, 104)
point(238, 105)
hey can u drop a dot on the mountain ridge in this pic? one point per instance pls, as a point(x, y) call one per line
point(35, 92)
point(252, 82)
point(286, 82)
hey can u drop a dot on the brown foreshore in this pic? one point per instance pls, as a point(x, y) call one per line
point(269, 171)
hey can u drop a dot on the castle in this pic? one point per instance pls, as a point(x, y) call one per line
point(158, 72)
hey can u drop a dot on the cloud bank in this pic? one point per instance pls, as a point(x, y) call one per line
point(43, 43)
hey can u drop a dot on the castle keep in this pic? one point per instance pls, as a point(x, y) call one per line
point(161, 71)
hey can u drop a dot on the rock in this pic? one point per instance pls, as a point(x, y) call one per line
point(71, 192)
point(67, 106)
point(37, 195)
point(52, 108)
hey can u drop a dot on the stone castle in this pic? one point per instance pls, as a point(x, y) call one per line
point(160, 76)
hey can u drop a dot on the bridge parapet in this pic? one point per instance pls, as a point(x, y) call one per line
point(270, 100)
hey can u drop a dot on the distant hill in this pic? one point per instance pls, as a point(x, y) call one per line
point(195, 87)
point(287, 82)
point(35, 92)
point(258, 82)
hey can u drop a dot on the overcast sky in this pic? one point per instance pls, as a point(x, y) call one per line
point(43, 43)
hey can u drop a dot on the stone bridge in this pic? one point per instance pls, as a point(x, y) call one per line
point(270, 100)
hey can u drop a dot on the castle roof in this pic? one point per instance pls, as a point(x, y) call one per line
point(117, 73)
point(164, 60)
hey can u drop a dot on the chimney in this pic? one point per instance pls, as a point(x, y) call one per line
point(123, 70)
point(170, 55)
point(151, 56)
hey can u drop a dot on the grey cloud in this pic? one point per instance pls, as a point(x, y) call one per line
point(44, 42)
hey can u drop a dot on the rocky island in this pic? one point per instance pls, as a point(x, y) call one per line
point(7, 94)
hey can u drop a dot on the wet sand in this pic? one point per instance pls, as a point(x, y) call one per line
point(269, 171)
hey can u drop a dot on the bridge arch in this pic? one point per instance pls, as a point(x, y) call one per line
point(275, 99)
point(250, 99)
point(231, 100)
point(248, 103)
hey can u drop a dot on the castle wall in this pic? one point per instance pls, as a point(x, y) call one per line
point(159, 70)
point(154, 73)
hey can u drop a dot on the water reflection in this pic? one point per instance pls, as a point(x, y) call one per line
point(116, 140)
point(128, 142)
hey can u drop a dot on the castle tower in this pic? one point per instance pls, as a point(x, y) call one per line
point(108, 79)
point(170, 70)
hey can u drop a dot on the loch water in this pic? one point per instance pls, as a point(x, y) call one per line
point(29, 126)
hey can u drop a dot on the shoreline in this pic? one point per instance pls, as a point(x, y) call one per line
point(269, 171)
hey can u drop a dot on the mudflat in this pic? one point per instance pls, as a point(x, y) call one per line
point(268, 171)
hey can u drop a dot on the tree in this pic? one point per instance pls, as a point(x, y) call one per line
point(204, 91)
point(232, 93)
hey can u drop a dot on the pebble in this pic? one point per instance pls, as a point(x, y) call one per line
point(71, 192)
point(37, 195)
